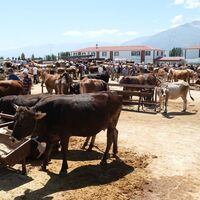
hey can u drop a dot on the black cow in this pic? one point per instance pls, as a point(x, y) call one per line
point(58, 118)
point(7, 106)
point(105, 77)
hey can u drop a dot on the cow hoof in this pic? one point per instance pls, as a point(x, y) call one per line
point(83, 147)
point(89, 149)
point(103, 163)
point(183, 111)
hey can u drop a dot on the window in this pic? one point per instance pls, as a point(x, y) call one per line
point(135, 53)
point(93, 53)
point(83, 54)
point(104, 54)
point(75, 54)
point(116, 53)
point(157, 53)
point(147, 53)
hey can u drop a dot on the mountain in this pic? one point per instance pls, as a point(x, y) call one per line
point(46, 49)
point(185, 35)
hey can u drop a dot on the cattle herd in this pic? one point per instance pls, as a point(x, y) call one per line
point(79, 101)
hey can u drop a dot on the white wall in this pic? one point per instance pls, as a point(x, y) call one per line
point(192, 53)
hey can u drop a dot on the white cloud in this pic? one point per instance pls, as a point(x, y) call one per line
point(190, 4)
point(177, 20)
point(179, 2)
point(72, 33)
point(100, 33)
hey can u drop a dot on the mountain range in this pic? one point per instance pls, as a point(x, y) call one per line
point(185, 35)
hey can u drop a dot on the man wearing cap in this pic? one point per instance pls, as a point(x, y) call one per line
point(11, 75)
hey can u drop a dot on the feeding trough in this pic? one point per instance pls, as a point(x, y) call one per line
point(12, 153)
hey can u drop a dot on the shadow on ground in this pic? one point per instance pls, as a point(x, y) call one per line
point(81, 177)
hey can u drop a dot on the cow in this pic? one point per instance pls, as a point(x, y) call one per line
point(50, 82)
point(89, 86)
point(6, 106)
point(173, 90)
point(72, 70)
point(10, 87)
point(63, 83)
point(58, 118)
point(105, 76)
point(175, 75)
point(160, 73)
point(92, 85)
point(148, 79)
point(75, 88)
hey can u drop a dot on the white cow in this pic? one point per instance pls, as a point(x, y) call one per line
point(173, 90)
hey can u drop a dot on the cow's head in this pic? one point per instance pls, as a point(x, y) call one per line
point(25, 122)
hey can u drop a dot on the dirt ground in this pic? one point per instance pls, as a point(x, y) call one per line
point(159, 161)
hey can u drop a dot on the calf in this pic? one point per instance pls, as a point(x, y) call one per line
point(173, 90)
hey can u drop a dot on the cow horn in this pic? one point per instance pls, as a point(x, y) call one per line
point(39, 115)
point(16, 107)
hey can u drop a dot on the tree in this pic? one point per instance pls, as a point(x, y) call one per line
point(23, 56)
point(1, 57)
point(33, 57)
point(176, 52)
point(63, 55)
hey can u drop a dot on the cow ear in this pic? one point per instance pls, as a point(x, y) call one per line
point(39, 115)
point(16, 107)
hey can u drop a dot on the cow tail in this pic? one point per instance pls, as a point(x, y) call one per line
point(191, 95)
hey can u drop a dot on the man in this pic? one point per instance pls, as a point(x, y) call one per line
point(35, 74)
point(11, 75)
point(27, 83)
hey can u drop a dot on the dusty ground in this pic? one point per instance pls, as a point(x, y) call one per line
point(160, 161)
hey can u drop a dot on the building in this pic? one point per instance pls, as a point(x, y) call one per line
point(138, 54)
point(192, 54)
point(170, 60)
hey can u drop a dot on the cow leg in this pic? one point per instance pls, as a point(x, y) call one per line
point(23, 166)
point(109, 143)
point(165, 103)
point(46, 156)
point(115, 143)
point(64, 149)
point(85, 143)
point(92, 143)
point(184, 104)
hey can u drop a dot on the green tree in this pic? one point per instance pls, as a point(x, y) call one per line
point(33, 57)
point(23, 56)
point(176, 52)
point(63, 55)
point(1, 57)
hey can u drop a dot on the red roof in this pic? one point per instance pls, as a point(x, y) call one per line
point(194, 47)
point(117, 48)
point(168, 59)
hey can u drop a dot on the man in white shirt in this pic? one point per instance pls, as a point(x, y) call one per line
point(35, 74)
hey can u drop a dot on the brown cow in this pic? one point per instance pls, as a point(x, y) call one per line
point(88, 86)
point(72, 71)
point(148, 79)
point(50, 81)
point(10, 87)
point(175, 75)
point(63, 83)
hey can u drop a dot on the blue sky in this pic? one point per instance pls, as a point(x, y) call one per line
point(37, 22)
